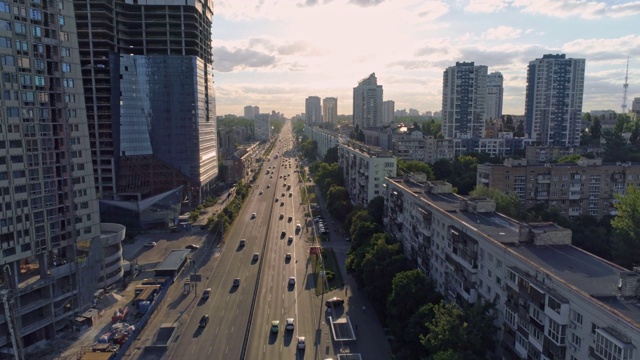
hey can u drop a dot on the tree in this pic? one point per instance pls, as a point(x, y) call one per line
point(464, 173)
point(626, 225)
point(596, 130)
point(442, 169)
point(507, 204)
point(519, 132)
point(338, 201)
point(615, 148)
point(570, 158)
point(414, 166)
point(331, 156)
point(375, 207)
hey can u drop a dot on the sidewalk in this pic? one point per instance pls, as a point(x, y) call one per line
point(371, 341)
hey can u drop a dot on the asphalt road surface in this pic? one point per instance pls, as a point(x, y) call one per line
point(240, 317)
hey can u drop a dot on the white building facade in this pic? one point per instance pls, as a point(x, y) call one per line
point(464, 94)
point(364, 170)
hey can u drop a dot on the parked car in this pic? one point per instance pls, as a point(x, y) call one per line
point(193, 246)
point(334, 301)
point(150, 244)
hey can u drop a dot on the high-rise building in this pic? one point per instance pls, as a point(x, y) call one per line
point(464, 93)
point(330, 110)
point(635, 105)
point(149, 96)
point(313, 110)
point(256, 110)
point(553, 105)
point(495, 93)
point(49, 219)
point(262, 126)
point(367, 103)
point(248, 112)
point(388, 111)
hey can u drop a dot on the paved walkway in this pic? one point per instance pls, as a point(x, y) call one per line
point(371, 341)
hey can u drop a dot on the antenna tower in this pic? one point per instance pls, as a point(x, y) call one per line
point(625, 86)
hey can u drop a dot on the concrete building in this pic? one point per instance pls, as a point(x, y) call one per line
point(585, 188)
point(464, 94)
point(312, 110)
point(262, 127)
point(111, 271)
point(546, 154)
point(49, 216)
point(495, 94)
point(326, 139)
point(242, 163)
point(364, 168)
point(388, 112)
point(132, 113)
point(553, 300)
point(553, 104)
point(248, 112)
point(330, 110)
point(367, 103)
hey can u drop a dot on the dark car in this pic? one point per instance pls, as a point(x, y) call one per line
point(335, 301)
point(204, 320)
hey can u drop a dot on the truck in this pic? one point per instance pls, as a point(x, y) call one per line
point(187, 287)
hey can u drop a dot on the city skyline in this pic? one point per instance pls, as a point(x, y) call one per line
point(276, 55)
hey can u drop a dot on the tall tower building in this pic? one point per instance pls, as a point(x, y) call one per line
point(464, 94)
point(313, 110)
point(49, 219)
point(147, 71)
point(256, 110)
point(367, 103)
point(495, 92)
point(388, 112)
point(330, 110)
point(248, 112)
point(553, 105)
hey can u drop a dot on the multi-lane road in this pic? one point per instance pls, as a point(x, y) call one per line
point(241, 317)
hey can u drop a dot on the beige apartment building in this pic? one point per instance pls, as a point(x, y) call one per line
point(584, 188)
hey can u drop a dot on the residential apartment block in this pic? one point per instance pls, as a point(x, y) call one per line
point(553, 104)
point(544, 154)
point(388, 112)
point(367, 103)
point(262, 127)
point(312, 110)
point(330, 110)
point(495, 94)
point(326, 139)
point(585, 188)
point(364, 168)
point(49, 221)
point(554, 301)
point(464, 100)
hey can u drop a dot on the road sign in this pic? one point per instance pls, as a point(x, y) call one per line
point(195, 278)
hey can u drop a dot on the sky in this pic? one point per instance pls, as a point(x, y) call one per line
point(275, 53)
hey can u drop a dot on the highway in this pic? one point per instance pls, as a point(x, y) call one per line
point(240, 317)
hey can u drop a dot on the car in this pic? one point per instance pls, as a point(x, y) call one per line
point(287, 256)
point(260, 193)
point(283, 234)
point(290, 239)
point(334, 301)
point(150, 244)
point(193, 246)
point(290, 219)
point(204, 320)
point(282, 195)
point(243, 242)
point(348, 238)
point(277, 200)
point(255, 256)
point(206, 293)
point(292, 281)
point(290, 194)
point(281, 216)
point(236, 282)
point(275, 326)
point(289, 324)
point(300, 343)
point(253, 216)
point(298, 227)
point(268, 186)
point(282, 203)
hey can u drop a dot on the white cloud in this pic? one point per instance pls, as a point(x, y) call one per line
point(502, 32)
point(580, 8)
point(486, 6)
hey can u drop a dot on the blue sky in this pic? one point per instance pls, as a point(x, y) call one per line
point(275, 53)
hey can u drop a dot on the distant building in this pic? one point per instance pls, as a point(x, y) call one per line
point(248, 112)
point(326, 139)
point(364, 168)
point(464, 93)
point(414, 112)
point(312, 110)
point(495, 94)
point(388, 112)
point(367, 103)
point(330, 110)
point(635, 105)
point(262, 127)
point(585, 188)
point(400, 113)
point(553, 104)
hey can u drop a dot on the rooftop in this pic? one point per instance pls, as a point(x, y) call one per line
point(579, 269)
point(173, 261)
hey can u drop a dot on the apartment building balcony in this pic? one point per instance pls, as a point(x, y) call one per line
point(455, 259)
point(574, 195)
point(574, 211)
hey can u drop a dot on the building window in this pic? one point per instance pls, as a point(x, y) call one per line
point(576, 316)
point(576, 340)
point(4, 7)
point(66, 67)
point(20, 28)
point(556, 332)
point(610, 348)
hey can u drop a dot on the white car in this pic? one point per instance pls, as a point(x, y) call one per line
point(150, 244)
point(289, 324)
point(301, 343)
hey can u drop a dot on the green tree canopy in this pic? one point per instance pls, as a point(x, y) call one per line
point(507, 204)
point(570, 158)
point(331, 156)
point(626, 224)
point(375, 207)
point(414, 166)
